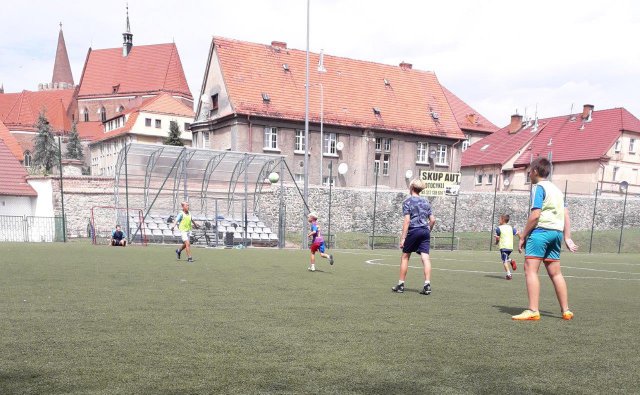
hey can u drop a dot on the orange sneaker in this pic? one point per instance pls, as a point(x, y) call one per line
point(567, 315)
point(514, 266)
point(527, 315)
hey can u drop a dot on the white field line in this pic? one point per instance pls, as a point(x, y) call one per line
point(374, 262)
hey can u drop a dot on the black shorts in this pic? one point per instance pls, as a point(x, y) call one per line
point(418, 240)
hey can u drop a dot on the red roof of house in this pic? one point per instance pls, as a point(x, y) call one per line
point(6, 103)
point(164, 104)
point(90, 131)
point(352, 89)
point(11, 142)
point(564, 137)
point(13, 175)
point(468, 118)
point(25, 108)
point(147, 69)
point(499, 147)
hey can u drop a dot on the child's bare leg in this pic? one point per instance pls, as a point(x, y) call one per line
point(404, 265)
point(505, 265)
point(555, 274)
point(322, 254)
point(313, 259)
point(187, 246)
point(531, 267)
point(426, 262)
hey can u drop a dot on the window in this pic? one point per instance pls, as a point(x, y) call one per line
point(465, 143)
point(329, 146)
point(616, 169)
point(158, 123)
point(120, 109)
point(325, 181)
point(617, 146)
point(479, 179)
point(103, 114)
point(27, 159)
point(187, 126)
point(378, 144)
point(85, 114)
point(214, 102)
point(376, 165)
point(299, 177)
point(632, 146)
point(270, 138)
point(147, 122)
point(489, 179)
point(385, 165)
point(299, 145)
point(423, 149)
point(387, 145)
point(441, 155)
point(206, 143)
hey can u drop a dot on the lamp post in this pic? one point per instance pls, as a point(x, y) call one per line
point(321, 70)
point(306, 141)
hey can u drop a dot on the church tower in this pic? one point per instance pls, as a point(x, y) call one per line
point(127, 38)
point(62, 77)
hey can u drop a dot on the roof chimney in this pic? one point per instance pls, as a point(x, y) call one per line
point(405, 65)
point(279, 44)
point(516, 123)
point(586, 111)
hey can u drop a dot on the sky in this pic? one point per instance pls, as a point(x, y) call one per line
point(499, 56)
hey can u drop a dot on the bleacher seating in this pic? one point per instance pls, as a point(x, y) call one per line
point(220, 231)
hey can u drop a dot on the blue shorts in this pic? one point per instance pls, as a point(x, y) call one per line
point(418, 240)
point(317, 247)
point(544, 244)
point(504, 254)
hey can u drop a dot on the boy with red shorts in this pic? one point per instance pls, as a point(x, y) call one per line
point(317, 242)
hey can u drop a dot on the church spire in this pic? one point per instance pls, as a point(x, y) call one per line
point(61, 68)
point(127, 37)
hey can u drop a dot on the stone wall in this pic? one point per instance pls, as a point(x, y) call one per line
point(352, 209)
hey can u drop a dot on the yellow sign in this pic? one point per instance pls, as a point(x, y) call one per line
point(440, 183)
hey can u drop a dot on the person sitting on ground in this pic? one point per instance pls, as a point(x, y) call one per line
point(118, 238)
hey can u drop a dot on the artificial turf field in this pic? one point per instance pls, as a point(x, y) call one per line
point(81, 319)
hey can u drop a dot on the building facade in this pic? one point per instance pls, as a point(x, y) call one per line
point(590, 150)
point(370, 118)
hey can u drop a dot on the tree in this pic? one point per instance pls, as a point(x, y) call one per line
point(174, 135)
point(45, 148)
point(74, 146)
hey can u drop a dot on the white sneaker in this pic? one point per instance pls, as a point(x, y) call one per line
point(312, 268)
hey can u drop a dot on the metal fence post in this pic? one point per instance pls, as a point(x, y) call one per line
point(126, 190)
point(64, 224)
point(493, 212)
point(281, 224)
point(375, 203)
point(593, 220)
point(329, 224)
point(624, 209)
point(453, 231)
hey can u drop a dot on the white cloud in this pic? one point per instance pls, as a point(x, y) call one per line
point(497, 55)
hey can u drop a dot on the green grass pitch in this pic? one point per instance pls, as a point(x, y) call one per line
point(80, 319)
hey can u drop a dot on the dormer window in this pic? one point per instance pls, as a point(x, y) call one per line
point(115, 89)
point(265, 97)
point(376, 111)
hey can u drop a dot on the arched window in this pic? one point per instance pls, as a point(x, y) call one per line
point(27, 159)
point(120, 109)
point(103, 114)
point(85, 114)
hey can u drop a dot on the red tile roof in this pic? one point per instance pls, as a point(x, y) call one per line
point(24, 110)
point(61, 67)
point(11, 142)
point(90, 130)
point(147, 69)
point(6, 103)
point(468, 118)
point(563, 136)
point(13, 175)
point(164, 104)
point(499, 147)
point(352, 89)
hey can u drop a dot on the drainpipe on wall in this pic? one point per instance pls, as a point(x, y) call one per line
point(452, 151)
point(250, 133)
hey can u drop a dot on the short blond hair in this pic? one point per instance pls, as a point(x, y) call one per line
point(417, 185)
point(313, 215)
